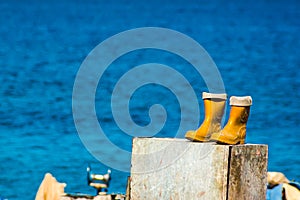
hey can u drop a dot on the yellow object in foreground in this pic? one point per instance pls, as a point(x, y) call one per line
point(234, 131)
point(214, 105)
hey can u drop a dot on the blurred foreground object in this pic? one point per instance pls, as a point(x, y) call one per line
point(279, 187)
point(50, 189)
point(275, 178)
point(98, 181)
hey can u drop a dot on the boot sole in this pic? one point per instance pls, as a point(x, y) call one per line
point(229, 143)
point(195, 139)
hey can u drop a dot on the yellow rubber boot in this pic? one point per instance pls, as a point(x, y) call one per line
point(234, 131)
point(214, 105)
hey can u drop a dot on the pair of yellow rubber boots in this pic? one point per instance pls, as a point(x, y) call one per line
point(234, 131)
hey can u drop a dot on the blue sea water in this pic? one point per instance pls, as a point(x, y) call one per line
point(255, 45)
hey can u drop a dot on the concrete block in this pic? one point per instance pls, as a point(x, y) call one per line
point(164, 168)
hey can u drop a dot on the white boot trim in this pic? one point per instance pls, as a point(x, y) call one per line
point(241, 101)
point(206, 95)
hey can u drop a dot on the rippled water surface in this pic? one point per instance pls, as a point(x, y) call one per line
point(42, 45)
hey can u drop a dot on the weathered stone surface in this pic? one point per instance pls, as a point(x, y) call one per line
point(127, 195)
point(164, 168)
point(248, 172)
